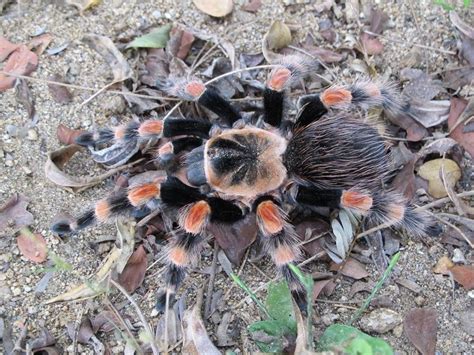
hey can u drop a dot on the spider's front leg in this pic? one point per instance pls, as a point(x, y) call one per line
point(279, 238)
point(207, 97)
point(185, 247)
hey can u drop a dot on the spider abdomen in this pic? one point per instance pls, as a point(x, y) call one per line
point(338, 152)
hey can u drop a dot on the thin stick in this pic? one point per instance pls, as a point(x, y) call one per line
point(86, 88)
point(410, 43)
point(443, 200)
point(97, 93)
point(453, 227)
point(266, 66)
point(210, 285)
point(140, 315)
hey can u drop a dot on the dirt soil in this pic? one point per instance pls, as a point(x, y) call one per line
point(22, 168)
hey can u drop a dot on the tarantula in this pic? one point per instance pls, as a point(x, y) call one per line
point(220, 172)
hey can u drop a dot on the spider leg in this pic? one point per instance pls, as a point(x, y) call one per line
point(184, 249)
point(335, 198)
point(186, 127)
point(168, 151)
point(279, 238)
point(171, 192)
point(274, 96)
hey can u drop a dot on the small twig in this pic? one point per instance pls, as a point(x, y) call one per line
point(453, 227)
point(77, 327)
point(409, 43)
point(266, 66)
point(140, 315)
point(315, 256)
point(443, 200)
point(86, 88)
point(97, 93)
point(210, 285)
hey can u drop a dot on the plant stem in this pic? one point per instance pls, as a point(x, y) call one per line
point(252, 295)
point(377, 287)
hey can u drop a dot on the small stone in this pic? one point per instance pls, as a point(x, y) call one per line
point(471, 294)
point(9, 163)
point(329, 319)
point(5, 292)
point(3, 277)
point(86, 123)
point(27, 171)
point(398, 331)
point(458, 256)
point(32, 135)
point(16, 291)
point(419, 300)
point(380, 321)
point(156, 14)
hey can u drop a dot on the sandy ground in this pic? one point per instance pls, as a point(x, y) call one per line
point(420, 22)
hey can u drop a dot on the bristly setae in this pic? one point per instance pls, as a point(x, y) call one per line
point(222, 171)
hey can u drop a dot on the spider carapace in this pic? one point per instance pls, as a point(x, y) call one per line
point(222, 171)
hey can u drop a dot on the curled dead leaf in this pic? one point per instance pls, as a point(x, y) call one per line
point(32, 245)
point(67, 135)
point(215, 8)
point(456, 113)
point(252, 6)
point(433, 172)
point(56, 161)
point(351, 268)
point(106, 48)
point(93, 287)
point(196, 340)
point(443, 265)
point(277, 37)
point(83, 5)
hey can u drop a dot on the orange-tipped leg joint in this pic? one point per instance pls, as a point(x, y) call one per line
point(279, 78)
point(356, 200)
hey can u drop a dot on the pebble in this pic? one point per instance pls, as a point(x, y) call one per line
point(398, 330)
point(9, 163)
point(5, 292)
point(380, 321)
point(32, 135)
point(330, 318)
point(420, 300)
point(16, 291)
point(458, 256)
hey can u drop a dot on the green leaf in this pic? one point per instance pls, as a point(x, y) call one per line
point(280, 306)
point(268, 335)
point(352, 341)
point(155, 39)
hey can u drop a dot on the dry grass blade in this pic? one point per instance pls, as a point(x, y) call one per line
point(143, 320)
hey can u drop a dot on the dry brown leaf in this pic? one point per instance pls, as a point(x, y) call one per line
point(106, 48)
point(215, 8)
point(370, 44)
point(32, 245)
point(252, 6)
point(22, 61)
point(310, 229)
point(405, 181)
point(25, 97)
point(432, 172)
point(420, 326)
point(351, 268)
point(56, 161)
point(67, 135)
point(44, 339)
point(105, 321)
point(318, 287)
point(14, 212)
point(180, 43)
point(463, 274)
point(456, 78)
point(134, 273)
point(234, 239)
point(60, 94)
point(443, 265)
point(196, 340)
point(6, 47)
point(465, 139)
point(415, 131)
point(39, 43)
point(467, 37)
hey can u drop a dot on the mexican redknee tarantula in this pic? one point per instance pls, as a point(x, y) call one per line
point(268, 166)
